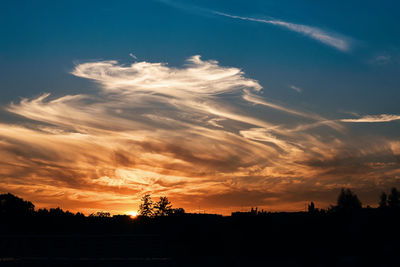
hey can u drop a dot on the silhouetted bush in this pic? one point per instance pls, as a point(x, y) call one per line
point(177, 211)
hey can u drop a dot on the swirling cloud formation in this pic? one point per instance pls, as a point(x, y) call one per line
point(201, 134)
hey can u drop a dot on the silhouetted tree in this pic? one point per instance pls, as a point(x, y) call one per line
point(348, 201)
point(394, 198)
point(11, 205)
point(383, 200)
point(57, 212)
point(311, 207)
point(80, 215)
point(163, 207)
point(146, 207)
point(254, 211)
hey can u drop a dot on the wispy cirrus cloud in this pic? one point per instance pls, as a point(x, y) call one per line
point(258, 100)
point(334, 40)
point(374, 118)
point(297, 89)
point(191, 132)
point(381, 59)
point(331, 39)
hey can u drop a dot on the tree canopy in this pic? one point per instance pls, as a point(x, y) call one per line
point(348, 201)
point(163, 207)
point(146, 207)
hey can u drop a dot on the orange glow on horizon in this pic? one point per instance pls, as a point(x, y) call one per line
point(132, 213)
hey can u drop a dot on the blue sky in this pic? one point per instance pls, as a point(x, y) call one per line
point(43, 39)
point(333, 62)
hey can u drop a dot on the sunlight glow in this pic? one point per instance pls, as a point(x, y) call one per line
point(132, 213)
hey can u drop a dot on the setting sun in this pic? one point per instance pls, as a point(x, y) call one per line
point(132, 213)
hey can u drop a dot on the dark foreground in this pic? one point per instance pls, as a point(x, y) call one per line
point(368, 237)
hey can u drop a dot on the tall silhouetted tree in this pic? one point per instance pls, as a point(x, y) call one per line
point(383, 200)
point(394, 198)
point(163, 207)
point(146, 207)
point(311, 207)
point(348, 201)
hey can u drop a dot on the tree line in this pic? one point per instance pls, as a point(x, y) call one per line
point(347, 201)
point(315, 238)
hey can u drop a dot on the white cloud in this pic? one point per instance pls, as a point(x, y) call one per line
point(334, 40)
point(132, 55)
point(198, 78)
point(297, 89)
point(215, 122)
point(264, 135)
point(374, 118)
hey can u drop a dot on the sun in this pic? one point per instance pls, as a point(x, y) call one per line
point(132, 213)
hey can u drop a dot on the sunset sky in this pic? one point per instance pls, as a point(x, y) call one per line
point(219, 105)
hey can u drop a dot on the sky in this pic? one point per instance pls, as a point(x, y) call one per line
point(219, 105)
